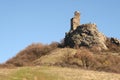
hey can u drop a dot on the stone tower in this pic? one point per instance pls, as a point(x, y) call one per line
point(75, 21)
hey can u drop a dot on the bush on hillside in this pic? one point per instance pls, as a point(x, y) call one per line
point(108, 62)
point(31, 53)
point(7, 66)
point(101, 62)
point(86, 57)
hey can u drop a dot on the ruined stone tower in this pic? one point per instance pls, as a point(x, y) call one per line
point(75, 21)
point(84, 35)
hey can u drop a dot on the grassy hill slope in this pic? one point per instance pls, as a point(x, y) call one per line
point(54, 73)
point(55, 57)
point(52, 55)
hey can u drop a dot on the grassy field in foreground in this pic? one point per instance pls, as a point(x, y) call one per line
point(54, 73)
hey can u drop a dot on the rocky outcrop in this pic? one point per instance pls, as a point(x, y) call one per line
point(86, 35)
point(115, 41)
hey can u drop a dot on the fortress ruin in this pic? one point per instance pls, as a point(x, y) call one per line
point(75, 21)
point(86, 35)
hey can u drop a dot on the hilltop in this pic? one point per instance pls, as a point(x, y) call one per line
point(87, 35)
point(83, 47)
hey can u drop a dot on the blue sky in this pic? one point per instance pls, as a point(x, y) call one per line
point(23, 22)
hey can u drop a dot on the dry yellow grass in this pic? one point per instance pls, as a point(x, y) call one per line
point(4, 73)
point(56, 56)
point(79, 74)
point(54, 73)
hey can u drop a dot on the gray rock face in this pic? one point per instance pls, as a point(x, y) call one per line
point(85, 35)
